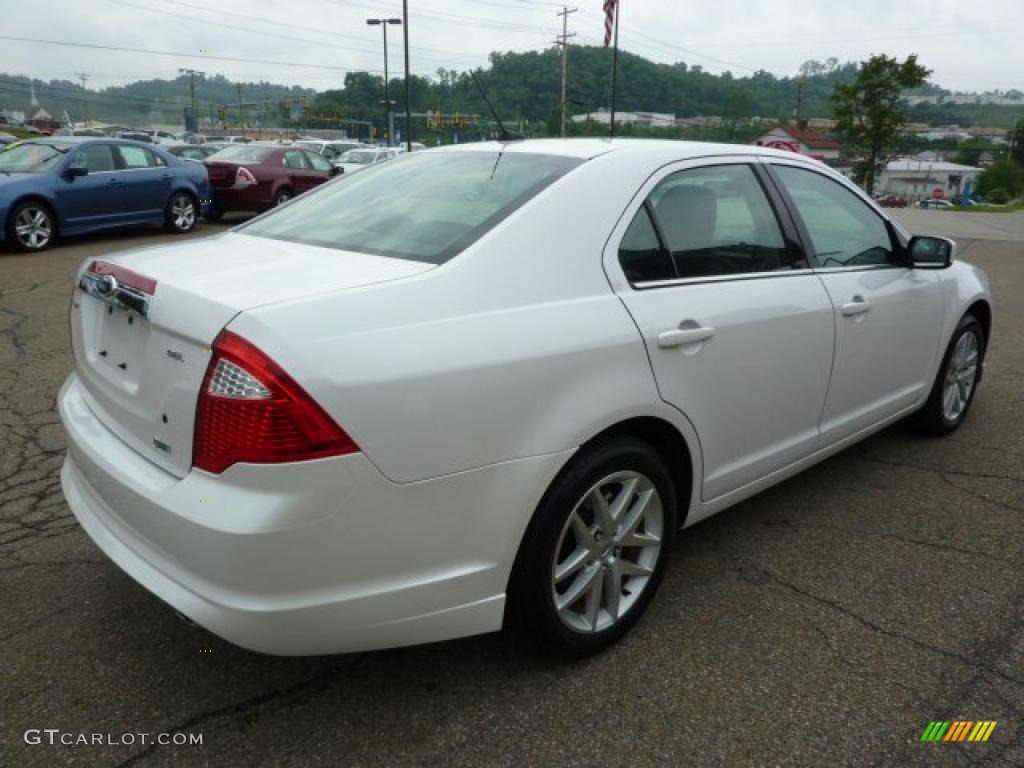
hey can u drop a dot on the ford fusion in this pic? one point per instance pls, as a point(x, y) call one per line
point(484, 386)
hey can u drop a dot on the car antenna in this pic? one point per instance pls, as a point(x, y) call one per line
point(505, 134)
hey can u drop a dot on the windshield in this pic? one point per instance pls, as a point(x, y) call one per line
point(358, 156)
point(32, 157)
point(425, 207)
point(242, 153)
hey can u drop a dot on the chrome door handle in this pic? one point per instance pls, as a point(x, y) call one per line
point(856, 307)
point(113, 181)
point(680, 337)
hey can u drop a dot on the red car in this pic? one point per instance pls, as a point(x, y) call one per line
point(893, 201)
point(256, 177)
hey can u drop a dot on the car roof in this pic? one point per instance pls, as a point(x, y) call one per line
point(586, 149)
point(87, 140)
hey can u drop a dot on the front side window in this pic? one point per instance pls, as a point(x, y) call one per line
point(136, 157)
point(426, 207)
point(319, 163)
point(713, 221)
point(844, 231)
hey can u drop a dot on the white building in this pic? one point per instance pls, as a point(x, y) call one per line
point(919, 179)
point(650, 119)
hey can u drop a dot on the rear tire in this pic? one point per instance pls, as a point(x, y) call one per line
point(32, 227)
point(182, 213)
point(595, 550)
point(956, 382)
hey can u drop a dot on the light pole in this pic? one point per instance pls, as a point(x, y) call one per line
point(192, 89)
point(387, 99)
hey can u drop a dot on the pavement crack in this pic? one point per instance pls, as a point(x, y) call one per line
point(314, 684)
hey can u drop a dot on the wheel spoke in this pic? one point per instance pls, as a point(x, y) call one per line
point(571, 564)
point(625, 495)
point(594, 600)
point(602, 513)
point(612, 591)
point(633, 518)
point(629, 568)
point(584, 536)
point(578, 588)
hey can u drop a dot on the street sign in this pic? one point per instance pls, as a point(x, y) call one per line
point(938, 193)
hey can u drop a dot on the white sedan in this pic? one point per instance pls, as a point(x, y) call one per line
point(362, 158)
point(484, 386)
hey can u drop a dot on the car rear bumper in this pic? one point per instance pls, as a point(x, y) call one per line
point(315, 557)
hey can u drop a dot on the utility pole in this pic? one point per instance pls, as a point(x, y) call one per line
point(241, 122)
point(84, 78)
point(563, 40)
point(800, 102)
point(408, 106)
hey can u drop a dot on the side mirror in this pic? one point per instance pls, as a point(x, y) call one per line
point(74, 171)
point(931, 252)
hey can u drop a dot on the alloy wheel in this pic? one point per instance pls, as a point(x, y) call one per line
point(961, 375)
point(607, 552)
point(33, 228)
point(183, 213)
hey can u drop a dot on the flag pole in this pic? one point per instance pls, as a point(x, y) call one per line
point(615, 68)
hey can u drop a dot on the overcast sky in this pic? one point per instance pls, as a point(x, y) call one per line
point(970, 45)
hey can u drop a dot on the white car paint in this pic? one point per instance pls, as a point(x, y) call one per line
point(467, 387)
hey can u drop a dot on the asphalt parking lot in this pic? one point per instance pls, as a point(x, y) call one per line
point(823, 623)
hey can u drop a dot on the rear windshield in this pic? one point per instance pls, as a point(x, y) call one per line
point(242, 153)
point(424, 207)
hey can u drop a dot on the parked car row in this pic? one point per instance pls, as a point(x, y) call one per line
point(65, 185)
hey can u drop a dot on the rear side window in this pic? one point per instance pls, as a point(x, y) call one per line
point(293, 159)
point(136, 157)
point(641, 254)
point(98, 158)
point(426, 207)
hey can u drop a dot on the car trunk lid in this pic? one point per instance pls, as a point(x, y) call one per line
point(142, 324)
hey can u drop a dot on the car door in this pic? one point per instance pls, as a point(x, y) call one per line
point(296, 166)
point(93, 199)
point(738, 328)
point(887, 315)
point(146, 186)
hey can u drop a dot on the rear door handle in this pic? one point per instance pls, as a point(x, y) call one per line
point(680, 337)
point(114, 181)
point(856, 307)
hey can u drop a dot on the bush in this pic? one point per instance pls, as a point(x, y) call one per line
point(1005, 176)
point(999, 196)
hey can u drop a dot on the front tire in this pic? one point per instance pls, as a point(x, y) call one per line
point(32, 227)
point(595, 551)
point(182, 213)
point(282, 197)
point(957, 380)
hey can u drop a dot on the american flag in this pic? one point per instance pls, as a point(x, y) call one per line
point(609, 20)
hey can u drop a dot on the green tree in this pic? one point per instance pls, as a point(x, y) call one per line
point(1006, 176)
point(1017, 144)
point(869, 111)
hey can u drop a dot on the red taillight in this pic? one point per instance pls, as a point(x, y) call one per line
point(250, 410)
point(244, 176)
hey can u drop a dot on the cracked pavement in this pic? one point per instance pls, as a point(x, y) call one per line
point(825, 622)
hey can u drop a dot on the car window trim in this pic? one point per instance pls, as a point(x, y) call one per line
point(770, 164)
point(751, 163)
